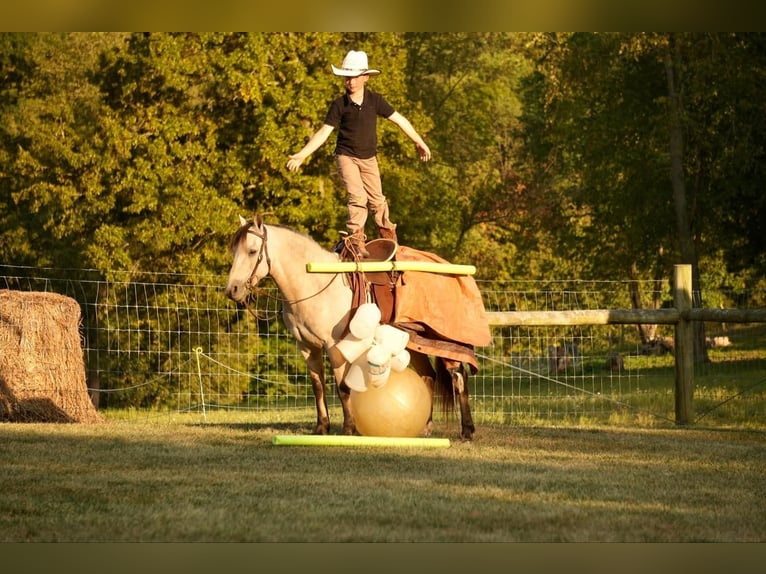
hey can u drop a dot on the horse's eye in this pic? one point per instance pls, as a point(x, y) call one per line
point(252, 252)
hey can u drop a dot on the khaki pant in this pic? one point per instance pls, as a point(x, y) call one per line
point(365, 192)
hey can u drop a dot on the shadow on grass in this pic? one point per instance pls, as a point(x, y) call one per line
point(292, 428)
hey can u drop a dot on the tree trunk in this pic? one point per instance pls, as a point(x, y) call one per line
point(683, 225)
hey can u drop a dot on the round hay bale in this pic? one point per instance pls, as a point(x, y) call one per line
point(42, 368)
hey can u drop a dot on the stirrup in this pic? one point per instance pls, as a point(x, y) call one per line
point(341, 244)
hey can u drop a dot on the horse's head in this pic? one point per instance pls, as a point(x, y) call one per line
point(251, 258)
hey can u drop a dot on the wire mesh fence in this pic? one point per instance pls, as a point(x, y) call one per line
point(165, 343)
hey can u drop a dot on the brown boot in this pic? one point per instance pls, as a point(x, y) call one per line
point(356, 243)
point(388, 233)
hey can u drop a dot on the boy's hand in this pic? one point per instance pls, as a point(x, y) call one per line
point(425, 152)
point(294, 162)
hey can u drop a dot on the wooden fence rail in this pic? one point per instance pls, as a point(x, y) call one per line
point(682, 316)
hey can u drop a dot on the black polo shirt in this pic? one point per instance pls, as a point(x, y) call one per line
point(356, 125)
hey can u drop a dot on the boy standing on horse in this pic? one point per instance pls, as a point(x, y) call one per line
point(355, 114)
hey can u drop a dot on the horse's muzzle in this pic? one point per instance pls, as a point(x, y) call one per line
point(236, 291)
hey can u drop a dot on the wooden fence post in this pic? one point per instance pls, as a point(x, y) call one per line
point(684, 345)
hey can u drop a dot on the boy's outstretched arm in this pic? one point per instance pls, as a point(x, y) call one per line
point(405, 125)
point(319, 137)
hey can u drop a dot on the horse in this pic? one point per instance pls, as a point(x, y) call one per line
point(317, 308)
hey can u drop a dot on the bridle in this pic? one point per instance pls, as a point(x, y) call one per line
point(251, 286)
point(261, 252)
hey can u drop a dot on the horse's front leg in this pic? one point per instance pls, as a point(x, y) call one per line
point(339, 369)
point(313, 359)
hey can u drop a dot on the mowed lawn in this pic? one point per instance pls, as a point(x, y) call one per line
point(179, 479)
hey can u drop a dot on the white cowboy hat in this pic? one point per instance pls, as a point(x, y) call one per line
point(354, 64)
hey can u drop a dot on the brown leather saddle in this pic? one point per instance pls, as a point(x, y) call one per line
point(379, 285)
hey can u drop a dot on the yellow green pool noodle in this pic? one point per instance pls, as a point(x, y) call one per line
point(377, 266)
point(347, 440)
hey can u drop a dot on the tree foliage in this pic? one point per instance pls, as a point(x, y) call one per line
point(599, 112)
point(138, 151)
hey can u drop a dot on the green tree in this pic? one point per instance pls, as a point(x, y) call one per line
point(476, 204)
point(51, 163)
point(173, 187)
point(723, 123)
point(633, 124)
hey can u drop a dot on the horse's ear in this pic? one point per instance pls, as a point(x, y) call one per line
point(258, 220)
point(242, 221)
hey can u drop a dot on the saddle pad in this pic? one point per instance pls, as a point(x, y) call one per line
point(451, 305)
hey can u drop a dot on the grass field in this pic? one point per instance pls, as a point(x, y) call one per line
point(177, 478)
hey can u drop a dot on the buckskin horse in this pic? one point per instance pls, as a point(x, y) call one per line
point(317, 307)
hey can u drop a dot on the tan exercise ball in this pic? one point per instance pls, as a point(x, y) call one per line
point(400, 408)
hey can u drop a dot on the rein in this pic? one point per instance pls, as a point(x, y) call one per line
point(264, 250)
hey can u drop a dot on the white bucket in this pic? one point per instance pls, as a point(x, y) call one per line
point(392, 339)
point(400, 361)
point(364, 321)
point(378, 365)
point(352, 348)
point(356, 376)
